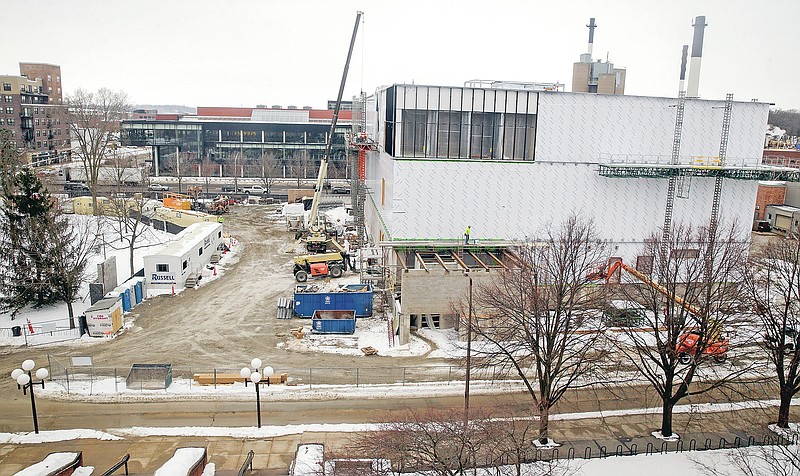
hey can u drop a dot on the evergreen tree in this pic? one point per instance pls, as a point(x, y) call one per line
point(25, 211)
point(66, 257)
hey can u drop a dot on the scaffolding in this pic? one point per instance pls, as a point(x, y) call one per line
point(764, 172)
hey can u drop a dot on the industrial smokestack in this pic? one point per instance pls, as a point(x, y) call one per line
point(682, 83)
point(591, 27)
point(697, 53)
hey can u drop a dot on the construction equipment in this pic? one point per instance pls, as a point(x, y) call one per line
point(177, 201)
point(687, 345)
point(219, 205)
point(313, 228)
point(319, 265)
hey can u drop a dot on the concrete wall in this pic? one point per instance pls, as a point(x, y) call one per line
point(580, 77)
point(432, 292)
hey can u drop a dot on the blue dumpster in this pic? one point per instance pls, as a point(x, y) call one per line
point(351, 297)
point(333, 322)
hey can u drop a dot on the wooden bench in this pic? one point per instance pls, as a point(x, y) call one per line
point(228, 379)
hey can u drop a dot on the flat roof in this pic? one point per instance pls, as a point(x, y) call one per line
point(184, 241)
point(785, 208)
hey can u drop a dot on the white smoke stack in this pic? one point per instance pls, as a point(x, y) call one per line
point(682, 82)
point(697, 54)
point(591, 27)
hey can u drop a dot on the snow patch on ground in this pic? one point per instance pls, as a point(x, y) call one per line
point(55, 435)
point(370, 332)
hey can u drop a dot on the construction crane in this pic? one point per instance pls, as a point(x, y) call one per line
point(687, 345)
point(314, 233)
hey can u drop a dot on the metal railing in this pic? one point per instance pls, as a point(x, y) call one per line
point(248, 462)
point(121, 463)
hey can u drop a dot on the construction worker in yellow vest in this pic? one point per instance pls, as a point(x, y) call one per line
point(466, 236)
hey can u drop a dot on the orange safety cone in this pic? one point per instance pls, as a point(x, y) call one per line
point(215, 270)
point(173, 289)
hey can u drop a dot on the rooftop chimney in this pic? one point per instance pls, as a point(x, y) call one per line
point(697, 53)
point(591, 27)
point(682, 83)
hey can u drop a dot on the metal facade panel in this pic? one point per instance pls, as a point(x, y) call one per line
point(585, 127)
point(514, 201)
point(589, 127)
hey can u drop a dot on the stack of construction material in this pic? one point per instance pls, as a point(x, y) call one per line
point(285, 308)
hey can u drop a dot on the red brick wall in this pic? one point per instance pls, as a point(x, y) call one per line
point(769, 195)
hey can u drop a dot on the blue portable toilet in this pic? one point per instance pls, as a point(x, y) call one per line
point(129, 285)
point(137, 291)
point(124, 293)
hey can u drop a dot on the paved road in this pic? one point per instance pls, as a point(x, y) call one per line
point(627, 431)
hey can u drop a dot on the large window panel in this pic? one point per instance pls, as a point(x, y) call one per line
point(415, 132)
point(449, 134)
point(519, 133)
point(484, 136)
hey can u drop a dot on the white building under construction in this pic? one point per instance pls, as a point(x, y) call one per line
point(508, 162)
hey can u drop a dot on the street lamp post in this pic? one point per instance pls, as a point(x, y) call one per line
point(254, 375)
point(469, 356)
point(24, 379)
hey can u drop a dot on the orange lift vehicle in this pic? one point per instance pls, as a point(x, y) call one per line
point(686, 349)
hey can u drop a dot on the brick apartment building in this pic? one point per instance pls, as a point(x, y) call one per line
point(30, 108)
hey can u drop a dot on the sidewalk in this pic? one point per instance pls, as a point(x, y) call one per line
point(273, 455)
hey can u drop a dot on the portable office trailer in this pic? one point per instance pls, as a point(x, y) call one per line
point(186, 255)
point(104, 318)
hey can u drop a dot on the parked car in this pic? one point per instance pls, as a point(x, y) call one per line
point(254, 190)
point(157, 187)
point(341, 190)
point(231, 189)
point(75, 187)
point(763, 226)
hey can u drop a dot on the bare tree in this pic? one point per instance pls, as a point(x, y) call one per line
point(128, 211)
point(771, 287)
point(689, 294)
point(269, 169)
point(94, 120)
point(777, 460)
point(437, 442)
point(536, 326)
point(300, 164)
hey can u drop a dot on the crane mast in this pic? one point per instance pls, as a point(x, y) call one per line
point(313, 218)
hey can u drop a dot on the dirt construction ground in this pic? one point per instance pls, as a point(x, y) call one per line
point(226, 322)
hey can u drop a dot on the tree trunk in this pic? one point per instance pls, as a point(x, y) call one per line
point(666, 418)
point(71, 315)
point(783, 411)
point(544, 422)
point(130, 248)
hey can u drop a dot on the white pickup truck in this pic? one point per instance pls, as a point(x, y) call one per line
point(254, 189)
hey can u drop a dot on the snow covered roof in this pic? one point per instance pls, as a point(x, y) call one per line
point(181, 462)
point(102, 304)
point(51, 463)
point(784, 208)
point(189, 238)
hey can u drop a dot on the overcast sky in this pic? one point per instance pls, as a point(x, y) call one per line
point(243, 53)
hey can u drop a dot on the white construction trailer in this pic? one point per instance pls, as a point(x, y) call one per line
point(182, 258)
